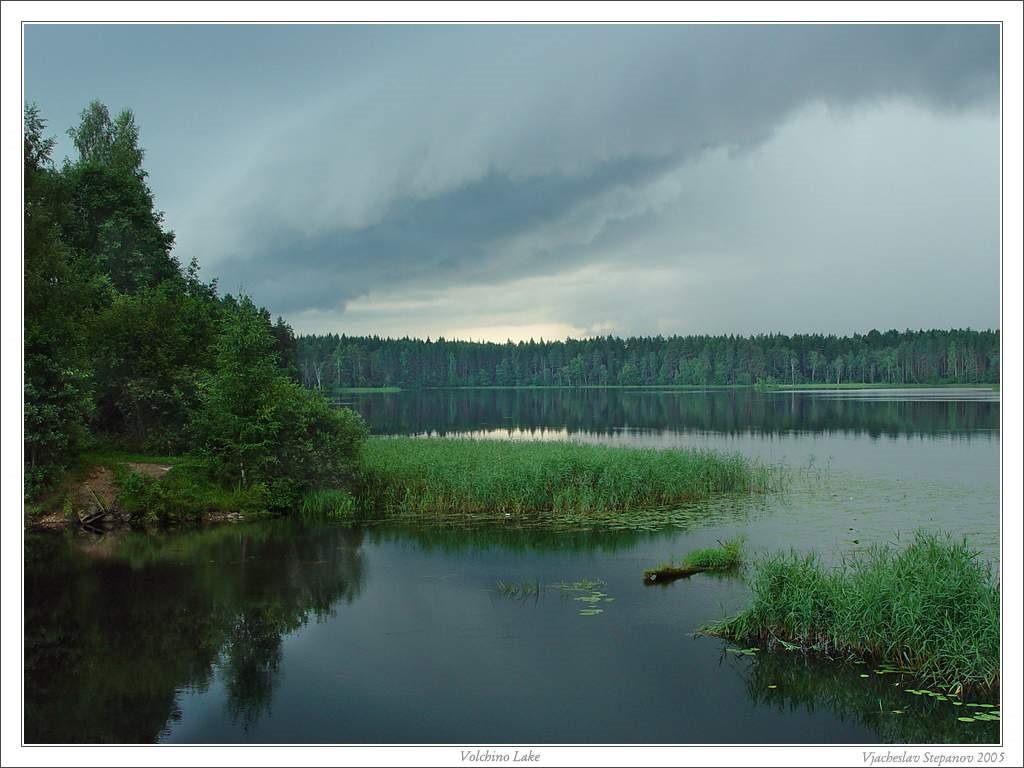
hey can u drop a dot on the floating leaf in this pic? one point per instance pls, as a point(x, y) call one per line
point(966, 719)
point(773, 686)
point(865, 675)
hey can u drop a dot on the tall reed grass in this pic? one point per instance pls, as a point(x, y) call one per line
point(931, 609)
point(491, 477)
point(328, 504)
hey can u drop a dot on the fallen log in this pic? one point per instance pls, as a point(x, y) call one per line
point(669, 573)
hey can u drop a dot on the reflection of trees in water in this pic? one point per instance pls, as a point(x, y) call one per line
point(807, 684)
point(112, 635)
point(460, 535)
point(732, 412)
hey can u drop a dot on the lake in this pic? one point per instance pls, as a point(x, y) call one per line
point(280, 631)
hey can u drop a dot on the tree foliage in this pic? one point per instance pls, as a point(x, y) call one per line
point(256, 424)
point(908, 357)
point(123, 343)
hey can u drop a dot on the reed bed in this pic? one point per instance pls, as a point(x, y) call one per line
point(931, 610)
point(328, 504)
point(445, 477)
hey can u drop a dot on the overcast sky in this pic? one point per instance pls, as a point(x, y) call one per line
point(525, 181)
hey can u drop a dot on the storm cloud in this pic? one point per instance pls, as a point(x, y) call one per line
point(525, 180)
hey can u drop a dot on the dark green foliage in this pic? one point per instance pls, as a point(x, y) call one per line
point(109, 215)
point(254, 424)
point(122, 343)
point(183, 495)
point(150, 349)
point(931, 609)
point(894, 358)
point(59, 293)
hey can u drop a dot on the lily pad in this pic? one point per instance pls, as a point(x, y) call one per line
point(966, 719)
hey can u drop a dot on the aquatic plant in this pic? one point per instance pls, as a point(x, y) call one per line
point(726, 556)
point(329, 504)
point(931, 610)
point(439, 477)
point(520, 590)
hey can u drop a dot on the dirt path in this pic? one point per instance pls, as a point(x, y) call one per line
point(97, 492)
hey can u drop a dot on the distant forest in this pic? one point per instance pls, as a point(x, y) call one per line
point(894, 357)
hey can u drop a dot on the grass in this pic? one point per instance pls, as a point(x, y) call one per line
point(183, 495)
point(931, 610)
point(726, 556)
point(435, 478)
point(328, 504)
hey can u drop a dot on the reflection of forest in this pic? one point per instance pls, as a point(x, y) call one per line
point(602, 410)
point(112, 633)
point(806, 684)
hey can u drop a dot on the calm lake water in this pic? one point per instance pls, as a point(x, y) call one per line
point(283, 632)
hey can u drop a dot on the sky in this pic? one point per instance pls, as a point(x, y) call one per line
point(516, 182)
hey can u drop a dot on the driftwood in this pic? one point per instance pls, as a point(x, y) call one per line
point(90, 519)
point(668, 573)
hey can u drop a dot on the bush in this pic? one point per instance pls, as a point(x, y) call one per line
point(183, 495)
point(256, 425)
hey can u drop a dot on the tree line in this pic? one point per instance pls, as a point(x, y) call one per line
point(124, 346)
point(892, 357)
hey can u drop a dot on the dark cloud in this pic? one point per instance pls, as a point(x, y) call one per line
point(340, 162)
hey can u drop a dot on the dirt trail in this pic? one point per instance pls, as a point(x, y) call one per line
point(96, 493)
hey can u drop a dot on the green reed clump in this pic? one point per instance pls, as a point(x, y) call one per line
point(726, 555)
point(328, 504)
point(931, 610)
point(437, 477)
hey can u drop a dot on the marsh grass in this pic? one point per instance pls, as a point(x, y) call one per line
point(930, 610)
point(728, 555)
point(446, 477)
point(328, 504)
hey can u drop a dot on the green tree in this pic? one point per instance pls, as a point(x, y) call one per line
point(255, 425)
point(59, 295)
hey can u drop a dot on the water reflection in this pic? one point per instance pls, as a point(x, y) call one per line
point(875, 413)
point(116, 628)
point(794, 683)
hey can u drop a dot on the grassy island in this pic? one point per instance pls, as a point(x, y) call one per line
point(725, 557)
point(930, 610)
point(435, 477)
